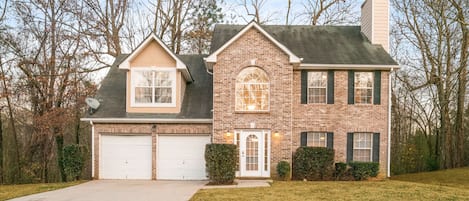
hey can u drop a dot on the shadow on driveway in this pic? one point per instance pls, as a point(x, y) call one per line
point(121, 190)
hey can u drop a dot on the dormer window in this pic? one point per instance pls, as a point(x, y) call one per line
point(153, 87)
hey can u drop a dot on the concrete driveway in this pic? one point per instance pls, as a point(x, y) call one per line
point(121, 190)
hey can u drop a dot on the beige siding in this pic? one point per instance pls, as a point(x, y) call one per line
point(179, 94)
point(183, 90)
point(381, 23)
point(375, 22)
point(366, 19)
point(153, 55)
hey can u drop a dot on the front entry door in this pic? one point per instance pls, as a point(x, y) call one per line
point(254, 153)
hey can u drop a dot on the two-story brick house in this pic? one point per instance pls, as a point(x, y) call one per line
point(268, 89)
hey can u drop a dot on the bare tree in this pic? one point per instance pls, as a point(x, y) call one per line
point(170, 21)
point(435, 47)
point(103, 26)
point(323, 12)
point(255, 9)
point(288, 12)
point(48, 56)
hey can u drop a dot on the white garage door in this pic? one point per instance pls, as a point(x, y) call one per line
point(125, 157)
point(181, 157)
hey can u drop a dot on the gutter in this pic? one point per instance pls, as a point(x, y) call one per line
point(92, 149)
point(305, 66)
point(146, 120)
point(389, 124)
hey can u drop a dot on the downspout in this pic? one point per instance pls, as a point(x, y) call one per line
point(92, 149)
point(389, 123)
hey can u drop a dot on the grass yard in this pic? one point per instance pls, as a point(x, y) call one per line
point(13, 191)
point(441, 185)
point(458, 178)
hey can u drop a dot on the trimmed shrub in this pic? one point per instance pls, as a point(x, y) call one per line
point(73, 160)
point(313, 163)
point(363, 170)
point(340, 170)
point(220, 160)
point(283, 170)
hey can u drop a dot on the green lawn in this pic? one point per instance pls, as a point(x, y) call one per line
point(13, 191)
point(458, 178)
point(453, 188)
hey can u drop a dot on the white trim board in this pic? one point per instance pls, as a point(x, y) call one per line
point(146, 120)
point(179, 64)
point(346, 67)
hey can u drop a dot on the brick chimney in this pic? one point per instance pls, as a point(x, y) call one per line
point(375, 22)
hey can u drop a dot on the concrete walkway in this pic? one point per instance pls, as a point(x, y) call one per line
point(243, 184)
point(121, 190)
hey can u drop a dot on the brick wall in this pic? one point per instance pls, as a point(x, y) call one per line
point(254, 49)
point(287, 115)
point(340, 117)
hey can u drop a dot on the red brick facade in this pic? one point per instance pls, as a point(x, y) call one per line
point(287, 115)
point(254, 49)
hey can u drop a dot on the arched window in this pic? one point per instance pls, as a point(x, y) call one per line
point(252, 90)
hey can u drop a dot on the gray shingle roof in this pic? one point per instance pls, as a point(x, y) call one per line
point(197, 103)
point(317, 44)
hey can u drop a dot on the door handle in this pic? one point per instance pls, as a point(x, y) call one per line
point(242, 154)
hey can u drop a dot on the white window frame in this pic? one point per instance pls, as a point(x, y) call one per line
point(172, 76)
point(355, 137)
point(356, 87)
point(308, 138)
point(308, 87)
point(236, 92)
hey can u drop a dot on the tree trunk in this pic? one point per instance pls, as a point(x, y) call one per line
point(59, 140)
point(1, 146)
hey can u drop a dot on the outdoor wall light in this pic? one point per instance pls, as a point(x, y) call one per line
point(228, 134)
point(276, 134)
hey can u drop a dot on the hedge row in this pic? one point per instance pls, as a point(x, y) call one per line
point(317, 163)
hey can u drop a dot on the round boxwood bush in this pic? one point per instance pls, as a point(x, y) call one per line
point(283, 170)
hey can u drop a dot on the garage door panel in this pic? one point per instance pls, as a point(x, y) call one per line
point(181, 157)
point(125, 157)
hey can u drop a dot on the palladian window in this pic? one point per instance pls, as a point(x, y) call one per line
point(252, 90)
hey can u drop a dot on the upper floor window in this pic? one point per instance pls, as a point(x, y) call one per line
point(153, 87)
point(363, 87)
point(252, 90)
point(317, 87)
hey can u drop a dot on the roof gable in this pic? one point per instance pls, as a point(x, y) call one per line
point(212, 58)
point(323, 46)
point(125, 64)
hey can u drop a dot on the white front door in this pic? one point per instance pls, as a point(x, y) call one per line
point(254, 151)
